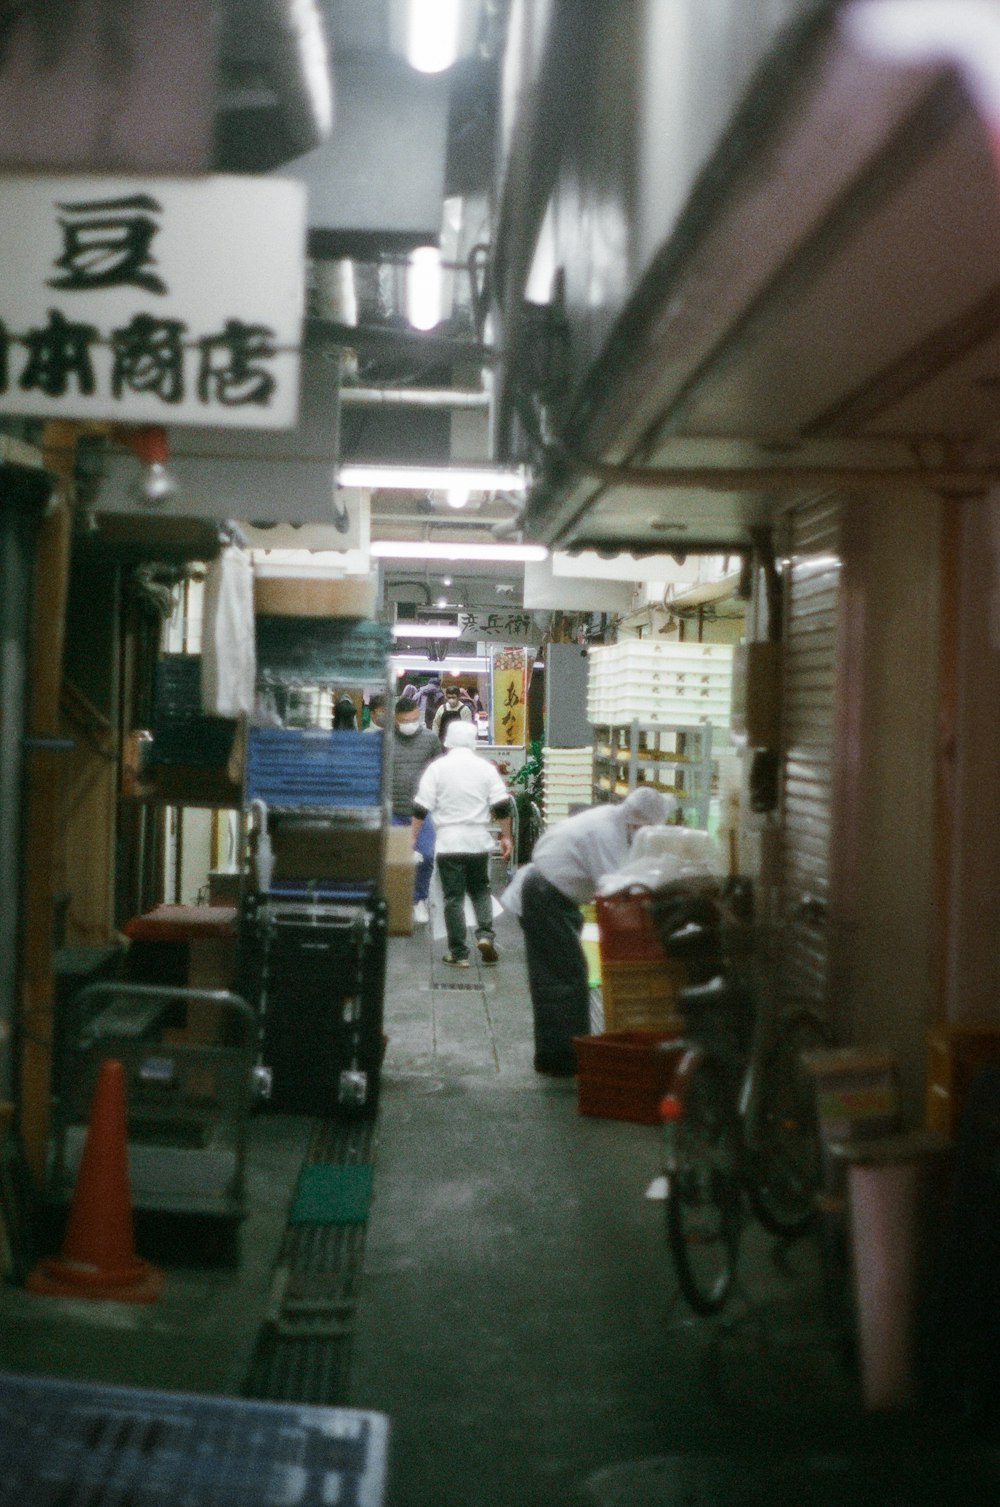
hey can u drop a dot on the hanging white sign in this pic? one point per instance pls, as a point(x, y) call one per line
point(504, 625)
point(152, 301)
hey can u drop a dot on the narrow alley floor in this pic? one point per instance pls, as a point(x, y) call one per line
point(514, 1313)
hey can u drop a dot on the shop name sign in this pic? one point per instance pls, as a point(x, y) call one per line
point(152, 301)
point(509, 627)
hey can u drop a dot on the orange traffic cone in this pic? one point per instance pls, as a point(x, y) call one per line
point(98, 1257)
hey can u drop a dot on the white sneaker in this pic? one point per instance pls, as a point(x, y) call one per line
point(421, 915)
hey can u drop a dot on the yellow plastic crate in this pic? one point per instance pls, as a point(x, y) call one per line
point(642, 996)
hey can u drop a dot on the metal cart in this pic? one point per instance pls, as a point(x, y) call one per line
point(188, 1056)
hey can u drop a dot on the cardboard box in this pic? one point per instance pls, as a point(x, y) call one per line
point(319, 850)
point(398, 883)
point(756, 694)
point(313, 596)
point(211, 962)
point(857, 1093)
point(211, 965)
point(955, 1053)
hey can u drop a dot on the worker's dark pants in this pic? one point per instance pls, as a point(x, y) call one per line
point(465, 874)
point(557, 971)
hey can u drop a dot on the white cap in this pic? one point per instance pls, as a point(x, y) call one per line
point(460, 734)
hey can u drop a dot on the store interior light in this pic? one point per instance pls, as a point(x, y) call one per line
point(434, 478)
point(454, 664)
point(426, 630)
point(433, 549)
point(432, 34)
point(424, 288)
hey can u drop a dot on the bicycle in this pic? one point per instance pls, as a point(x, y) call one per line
point(739, 1122)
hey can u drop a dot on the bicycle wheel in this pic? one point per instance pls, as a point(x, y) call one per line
point(704, 1201)
point(785, 1165)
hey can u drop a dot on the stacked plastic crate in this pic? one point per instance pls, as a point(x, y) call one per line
point(657, 681)
point(568, 781)
point(661, 713)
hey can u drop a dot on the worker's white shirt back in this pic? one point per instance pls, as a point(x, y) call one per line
point(459, 791)
point(578, 852)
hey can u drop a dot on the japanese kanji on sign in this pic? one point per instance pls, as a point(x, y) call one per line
point(169, 301)
point(508, 697)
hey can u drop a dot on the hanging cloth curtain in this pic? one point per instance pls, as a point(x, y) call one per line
point(228, 655)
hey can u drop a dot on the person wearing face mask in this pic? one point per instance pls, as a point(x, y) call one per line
point(376, 712)
point(413, 748)
point(567, 864)
point(452, 709)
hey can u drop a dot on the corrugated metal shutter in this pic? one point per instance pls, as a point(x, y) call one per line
point(812, 588)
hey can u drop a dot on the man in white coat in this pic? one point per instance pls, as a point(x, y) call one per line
point(464, 793)
point(567, 864)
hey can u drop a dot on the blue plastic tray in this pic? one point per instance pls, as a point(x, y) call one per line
point(293, 767)
point(64, 1442)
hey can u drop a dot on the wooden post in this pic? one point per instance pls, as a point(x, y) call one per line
point(43, 771)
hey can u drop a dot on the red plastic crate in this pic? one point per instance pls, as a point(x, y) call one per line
point(625, 928)
point(623, 1075)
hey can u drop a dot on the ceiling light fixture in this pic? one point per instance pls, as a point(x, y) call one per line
point(433, 549)
point(424, 288)
point(458, 497)
point(426, 630)
point(454, 664)
point(445, 478)
point(432, 34)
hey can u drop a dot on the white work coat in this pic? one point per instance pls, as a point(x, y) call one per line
point(460, 790)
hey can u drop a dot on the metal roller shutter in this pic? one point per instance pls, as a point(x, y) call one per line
point(812, 589)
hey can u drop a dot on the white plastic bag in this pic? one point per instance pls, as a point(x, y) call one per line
point(660, 855)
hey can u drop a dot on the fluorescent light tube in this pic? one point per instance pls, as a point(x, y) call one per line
point(434, 478)
point(455, 664)
point(423, 288)
point(432, 33)
point(426, 630)
point(432, 549)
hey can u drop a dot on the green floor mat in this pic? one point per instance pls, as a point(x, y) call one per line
point(332, 1195)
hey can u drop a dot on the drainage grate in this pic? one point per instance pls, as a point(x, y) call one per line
point(304, 1347)
point(64, 1443)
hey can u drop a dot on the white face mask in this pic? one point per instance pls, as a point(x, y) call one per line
point(407, 729)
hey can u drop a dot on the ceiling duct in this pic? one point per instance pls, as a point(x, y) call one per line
point(276, 94)
point(413, 618)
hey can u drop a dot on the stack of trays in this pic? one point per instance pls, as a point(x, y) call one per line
point(568, 781)
point(652, 681)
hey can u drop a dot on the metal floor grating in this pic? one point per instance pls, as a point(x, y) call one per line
point(303, 1350)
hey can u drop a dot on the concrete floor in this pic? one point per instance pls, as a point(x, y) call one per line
point(518, 1321)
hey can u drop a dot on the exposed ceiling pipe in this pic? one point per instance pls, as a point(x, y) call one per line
point(414, 397)
point(301, 71)
point(275, 90)
point(790, 478)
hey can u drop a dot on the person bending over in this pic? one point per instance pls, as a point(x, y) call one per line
point(567, 864)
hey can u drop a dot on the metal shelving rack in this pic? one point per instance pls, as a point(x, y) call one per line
point(673, 758)
point(315, 938)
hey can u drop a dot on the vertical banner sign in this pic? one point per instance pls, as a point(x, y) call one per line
point(508, 697)
point(152, 301)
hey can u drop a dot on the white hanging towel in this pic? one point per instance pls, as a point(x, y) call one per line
point(228, 653)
